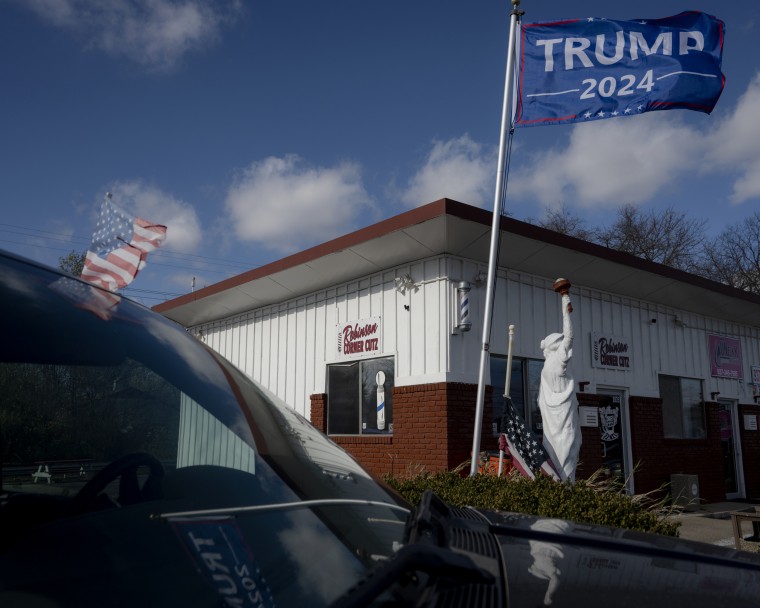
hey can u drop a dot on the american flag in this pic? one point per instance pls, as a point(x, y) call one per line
point(120, 245)
point(98, 301)
point(527, 451)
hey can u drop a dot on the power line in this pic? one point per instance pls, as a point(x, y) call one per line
point(162, 293)
point(59, 236)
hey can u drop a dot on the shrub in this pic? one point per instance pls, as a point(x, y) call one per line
point(586, 501)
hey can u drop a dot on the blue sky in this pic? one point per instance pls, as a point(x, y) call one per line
point(256, 129)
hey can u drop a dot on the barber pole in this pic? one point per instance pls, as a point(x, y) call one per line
point(380, 380)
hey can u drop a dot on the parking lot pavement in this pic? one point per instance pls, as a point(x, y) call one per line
point(711, 523)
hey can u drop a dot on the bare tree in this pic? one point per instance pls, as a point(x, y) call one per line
point(667, 237)
point(733, 257)
point(564, 221)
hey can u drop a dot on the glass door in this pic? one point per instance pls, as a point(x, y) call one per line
point(729, 439)
point(613, 440)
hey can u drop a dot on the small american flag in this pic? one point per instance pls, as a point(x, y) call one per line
point(120, 245)
point(528, 454)
point(99, 302)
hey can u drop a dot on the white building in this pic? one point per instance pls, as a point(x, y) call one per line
point(663, 360)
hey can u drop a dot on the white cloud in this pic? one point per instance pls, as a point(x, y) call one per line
point(736, 144)
point(153, 33)
point(747, 186)
point(612, 162)
point(457, 169)
point(631, 160)
point(183, 227)
point(285, 205)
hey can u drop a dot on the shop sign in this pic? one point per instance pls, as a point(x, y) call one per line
point(725, 357)
point(361, 338)
point(611, 352)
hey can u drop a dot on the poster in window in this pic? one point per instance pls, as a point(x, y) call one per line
point(377, 395)
point(611, 431)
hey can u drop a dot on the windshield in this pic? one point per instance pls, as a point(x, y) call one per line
point(125, 443)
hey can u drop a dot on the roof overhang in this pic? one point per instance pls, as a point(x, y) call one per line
point(450, 227)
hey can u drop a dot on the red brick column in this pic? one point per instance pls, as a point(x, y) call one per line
point(319, 411)
point(433, 425)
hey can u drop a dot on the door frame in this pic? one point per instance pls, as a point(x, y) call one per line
point(733, 408)
point(625, 426)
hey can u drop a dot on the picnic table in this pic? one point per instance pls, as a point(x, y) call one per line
point(64, 468)
point(737, 517)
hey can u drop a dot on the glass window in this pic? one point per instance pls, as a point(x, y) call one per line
point(360, 397)
point(523, 388)
point(683, 408)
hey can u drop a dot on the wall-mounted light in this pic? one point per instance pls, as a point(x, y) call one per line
point(480, 279)
point(714, 394)
point(678, 322)
point(463, 322)
point(405, 282)
point(582, 386)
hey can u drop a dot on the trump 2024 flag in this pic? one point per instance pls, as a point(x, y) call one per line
point(582, 70)
point(120, 245)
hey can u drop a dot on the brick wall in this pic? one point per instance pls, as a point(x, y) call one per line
point(432, 426)
point(750, 441)
point(319, 411)
point(656, 457)
point(432, 429)
point(590, 458)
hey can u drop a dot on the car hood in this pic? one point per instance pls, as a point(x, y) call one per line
point(471, 557)
point(562, 563)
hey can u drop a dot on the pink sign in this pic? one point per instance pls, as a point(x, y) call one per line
point(725, 357)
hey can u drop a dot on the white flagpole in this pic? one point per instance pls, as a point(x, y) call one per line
point(495, 227)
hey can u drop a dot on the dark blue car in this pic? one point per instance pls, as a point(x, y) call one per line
point(139, 468)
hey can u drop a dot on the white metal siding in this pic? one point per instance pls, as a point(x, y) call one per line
point(287, 346)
